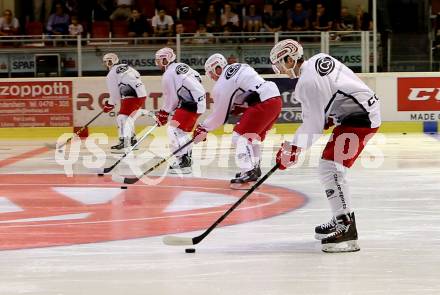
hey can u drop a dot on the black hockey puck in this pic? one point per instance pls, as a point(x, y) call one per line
point(190, 250)
point(123, 187)
point(100, 174)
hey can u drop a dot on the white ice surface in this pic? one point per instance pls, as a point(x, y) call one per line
point(398, 217)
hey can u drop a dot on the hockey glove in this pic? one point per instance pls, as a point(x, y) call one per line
point(161, 118)
point(108, 107)
point(199, 134)
point(287, 155)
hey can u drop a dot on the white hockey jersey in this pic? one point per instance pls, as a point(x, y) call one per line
point(233, 87)
point(182, 87)
point(123, 81)
point(328, 89)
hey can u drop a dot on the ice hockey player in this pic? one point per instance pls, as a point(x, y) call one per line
point(330, 94)
point(184, 96)
point(125, 87)
point(240, 90)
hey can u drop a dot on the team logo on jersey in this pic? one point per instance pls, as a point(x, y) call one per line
point(121, 69)
point(324, 65)
point(232, 70)
point(182, 69)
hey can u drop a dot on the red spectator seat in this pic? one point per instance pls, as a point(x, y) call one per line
point(100, 29)
point(119, 29)
point(170, 7)
point(190, 25)
point(146, 7)
point(34, 28)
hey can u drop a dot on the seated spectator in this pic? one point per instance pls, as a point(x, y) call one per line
point(345, 22)
point(202, 36)
point(179, 30)
point(229, 18)
point(75, 28)
point(321, 21)
point(212, 20)
point(363, 20)
point(138, 25)
point(101, 10)
point(8, 25)
point(162, 24)
point(58, 23)
point(272, 22)
point(252, 21)
point(298, 19)
point(122, 11)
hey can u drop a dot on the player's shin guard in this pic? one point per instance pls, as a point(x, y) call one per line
point(178, 138)
point(332, 176)
point(125, 132)
point(244, 154)
point(256, 148)
point(244, 158)
point(344, 238)
point(183, 162)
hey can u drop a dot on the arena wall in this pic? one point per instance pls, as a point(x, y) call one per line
point(410, 102)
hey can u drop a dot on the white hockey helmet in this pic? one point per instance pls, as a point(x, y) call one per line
point(164, 53)
point(211, 64)
point(282, 50)
point(110, 59)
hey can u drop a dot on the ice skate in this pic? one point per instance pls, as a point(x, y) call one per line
point(257, 170)
point(118, 148)
point(123, 146)
point(323, 230)
point(344, 238)
point(182, 165)
point(245, 180)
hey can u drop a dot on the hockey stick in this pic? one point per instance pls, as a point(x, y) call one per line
point(180, 241)
point(54, 146)
point(108, 169)
point(121, 179)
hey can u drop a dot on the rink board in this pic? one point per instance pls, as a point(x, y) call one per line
point(410, 102)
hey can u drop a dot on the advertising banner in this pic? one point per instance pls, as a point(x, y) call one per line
point(91, 93)
point(51, 101)
point(418, 94)
point(36, 104)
